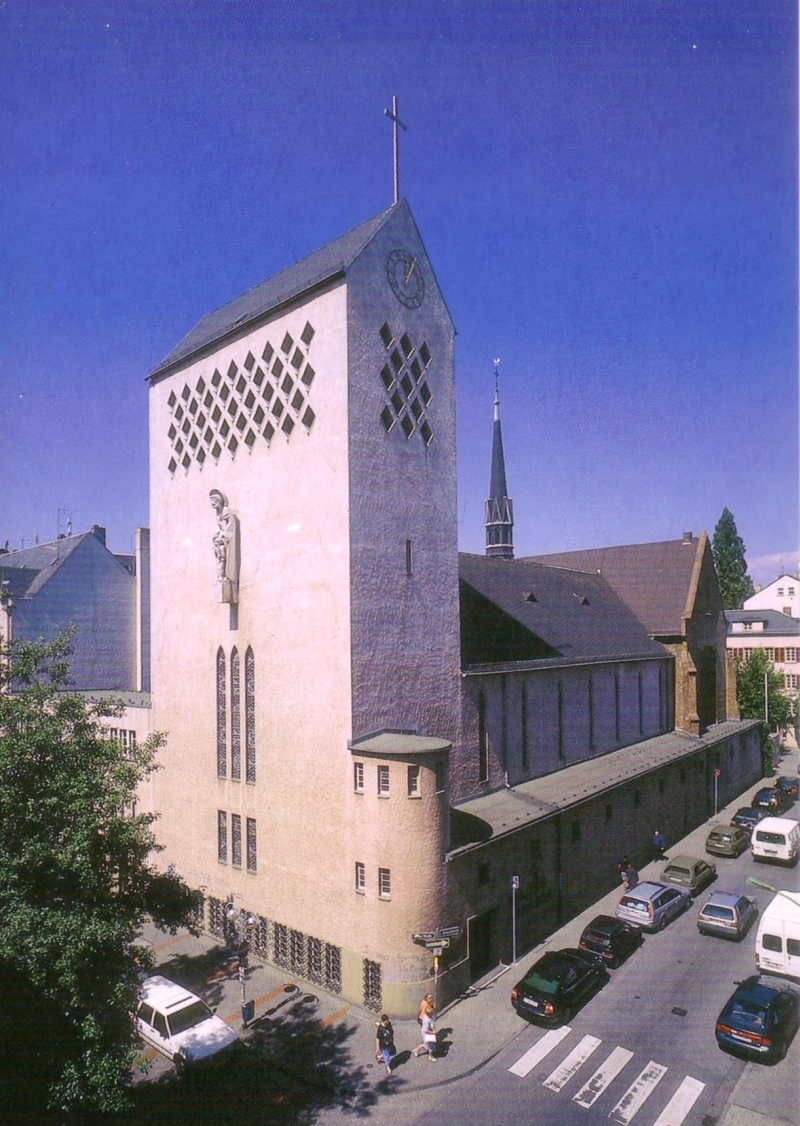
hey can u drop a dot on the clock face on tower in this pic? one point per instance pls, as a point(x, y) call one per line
point(405, 277)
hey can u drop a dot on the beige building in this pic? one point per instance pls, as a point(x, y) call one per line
point(363, 731)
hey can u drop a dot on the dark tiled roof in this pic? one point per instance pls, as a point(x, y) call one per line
point(26, 571)
point(775, 623)
point(324, 263)
point(575, 615)
point(654, 579)
point(493, 815)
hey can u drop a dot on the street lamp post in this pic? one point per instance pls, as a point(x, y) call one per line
point(244, 924)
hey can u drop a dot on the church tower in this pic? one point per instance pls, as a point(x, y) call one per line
point(305, 663)
point(499, 518)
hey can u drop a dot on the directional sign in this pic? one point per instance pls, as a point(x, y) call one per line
point(450, 932)
point(421, 937)
point(438, 944)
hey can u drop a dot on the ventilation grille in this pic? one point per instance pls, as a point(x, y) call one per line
point(408, 393)
point(256, 399)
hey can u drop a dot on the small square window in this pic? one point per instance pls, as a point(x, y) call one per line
point(384, 883)
point(358, 777)
point(361, 878)
point(383, 781)
point(413, 782)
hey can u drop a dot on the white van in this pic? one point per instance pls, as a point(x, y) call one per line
point(778, 938)
point(776, 839)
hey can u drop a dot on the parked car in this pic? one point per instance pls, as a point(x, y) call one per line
point(689, 872)
point(747, 817)
point(759, 1020)
point(727, 840)
point(726, 914)
point(651, 905)
point(178, 1023)
point(557, 984)
point(773, 800)
point(788, 785)
point(610, 939)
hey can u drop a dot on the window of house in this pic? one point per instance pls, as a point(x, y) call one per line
point(483, 873)
point(252, 857)
point(222, 836)
point(780, 592)
point(358, 777)
point(791, 656)
point(383, 781)
point(791, 592)
point(361, 878)
point(770, 652)
point(413, 782)
point(384, 883)
point(440, 777)
point(236, 840)
point(747, 625)
point(483, 742)
point(780, 656)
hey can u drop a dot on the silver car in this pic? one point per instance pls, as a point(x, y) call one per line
point(727, 915)
point(650, 906)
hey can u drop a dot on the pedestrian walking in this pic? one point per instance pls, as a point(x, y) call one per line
point(628, 874)
point(384, 1042)
point(659, 844)
point(428, 1036)
point(425, 1006)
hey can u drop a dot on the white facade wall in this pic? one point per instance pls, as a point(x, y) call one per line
point(782, 595)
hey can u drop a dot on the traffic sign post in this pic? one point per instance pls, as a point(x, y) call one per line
point(514, 886)
point(717, 773)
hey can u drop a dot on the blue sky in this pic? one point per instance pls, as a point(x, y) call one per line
point(607, 191)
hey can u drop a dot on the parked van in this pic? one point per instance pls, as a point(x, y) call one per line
point(778, 937)
point(776, 839)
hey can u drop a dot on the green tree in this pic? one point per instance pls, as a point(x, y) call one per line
point(76, 883)
point(727, 548)
point(759, 690)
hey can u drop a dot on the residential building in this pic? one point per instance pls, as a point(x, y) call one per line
point(783, 595)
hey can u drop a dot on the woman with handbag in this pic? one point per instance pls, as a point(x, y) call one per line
point(428, 1035)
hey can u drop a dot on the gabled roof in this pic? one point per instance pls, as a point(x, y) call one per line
point(654, 579)
point(23, 573)
point(573, 615)
point(775, 623)
point(325, 263)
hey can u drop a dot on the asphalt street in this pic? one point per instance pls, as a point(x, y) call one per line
point(641, 1051)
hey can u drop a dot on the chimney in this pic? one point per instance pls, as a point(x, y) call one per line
point(99, 532)
point(687, 539)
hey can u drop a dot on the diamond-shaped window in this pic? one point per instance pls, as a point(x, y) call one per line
point(249, 361)
point(424, 351)
point(387, 377)
point(307, 335)
point(233, 407)
point(224, 393)
point(308, 375)
point(386, 335)
point(297, 359)
point(201, 455)
point(397, 360)
point(405, 344)
point(186, 461)
point(277, 408)
point(193, 407)
point(397, 402)
point(287, 426)
point(241, 422)
point(287, 344)
point(425, 393)
point(216, 414)
point(407, 424)
point(200, 420)
point(258, 378)
point(249, 400)
point(268, 352)
point(233, 443)
point(216, 379)
point(308, 418)
point(268, 392)
point(185, 393)
point(269, 430)
point(232, 371)
point(200, 386)
point(249, 439)
point(416, 369)
point(387, 418)
point(172, 432)
point(407, 385)
point(179, 413)
point(241, 383)
point(277, 368)
point(297, 401)
point(287, 385)
point(416, 409)
point(224, 430)
point(172, 400)
point(216, 451)
point(426, 433)
point(173, 465)
point(258, 417)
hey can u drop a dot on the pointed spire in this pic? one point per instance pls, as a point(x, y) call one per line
point(499, 517)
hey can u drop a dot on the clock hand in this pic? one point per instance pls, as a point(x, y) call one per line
point(410, 270)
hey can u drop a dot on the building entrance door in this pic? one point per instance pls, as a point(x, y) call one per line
point(481, 956)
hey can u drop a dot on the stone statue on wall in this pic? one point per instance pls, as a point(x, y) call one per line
point(226, 547)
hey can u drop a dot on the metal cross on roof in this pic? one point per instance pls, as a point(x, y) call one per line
point(393, 115)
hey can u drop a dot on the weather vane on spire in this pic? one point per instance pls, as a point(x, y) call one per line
point(395, 119)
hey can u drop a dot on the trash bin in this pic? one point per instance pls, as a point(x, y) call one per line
point(248, 1008)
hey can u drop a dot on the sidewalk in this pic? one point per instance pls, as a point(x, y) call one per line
point(472, 1030)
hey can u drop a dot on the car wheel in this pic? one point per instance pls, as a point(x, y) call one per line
point(179, 1059)
point(662, 922)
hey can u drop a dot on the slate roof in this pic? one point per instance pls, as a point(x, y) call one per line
point(654, 579)
point(575, 613)
point(316, 268)
point(387, 743)
point(775, 623)
point(494, 815)
point(24, 572)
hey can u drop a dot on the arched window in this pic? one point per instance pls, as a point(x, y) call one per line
point(222, 717)
point(236, 718)
point(250, 715)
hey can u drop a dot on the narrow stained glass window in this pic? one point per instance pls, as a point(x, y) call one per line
point(236, 718)
point(222, 726)
point(222, 836)
point(236, 840)
point(250, 715)
point(251, 845)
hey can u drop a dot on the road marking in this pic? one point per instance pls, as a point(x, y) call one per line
point(333, 1018)
point(602, 1077)
point(539, 1050)
point(641, 1089)
point(577, 1057)
point(681, 1103)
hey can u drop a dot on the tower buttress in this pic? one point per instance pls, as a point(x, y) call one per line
point(499, 512)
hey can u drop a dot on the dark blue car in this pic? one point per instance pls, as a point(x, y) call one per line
point(748, 818)
point(759, 1020)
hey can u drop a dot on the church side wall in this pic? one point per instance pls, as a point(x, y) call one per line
point(541, 720)
point(291, 500)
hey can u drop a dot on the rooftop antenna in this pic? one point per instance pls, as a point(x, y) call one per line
point(392, 114)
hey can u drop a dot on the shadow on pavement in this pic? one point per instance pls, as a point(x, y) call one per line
point(288, 1070)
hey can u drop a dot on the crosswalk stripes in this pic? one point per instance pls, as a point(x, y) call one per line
point(602, 1077)
point(673, 1114)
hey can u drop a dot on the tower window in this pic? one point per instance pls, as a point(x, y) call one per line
point(409, 557)
point(383, 781)
point(358, 777)
point(413, 782)
point(361, 878)
point(384, 883)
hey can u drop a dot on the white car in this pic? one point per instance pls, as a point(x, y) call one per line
point(178, 1023)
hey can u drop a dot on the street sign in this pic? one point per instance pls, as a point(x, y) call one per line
point(450, 932)
point(515, 882)
point(437, 945)
point(436, 951)
point(717, 772)
point(422, 937)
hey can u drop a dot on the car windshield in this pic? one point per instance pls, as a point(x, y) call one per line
point(720, 837)
point(673, 871)
point(749, 1015)
point(189, 1017)
point(635, 904)
point(711, 910)
point(597, 936)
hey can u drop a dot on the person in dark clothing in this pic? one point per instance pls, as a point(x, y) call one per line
point(659, 844)
point(384, 1042)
